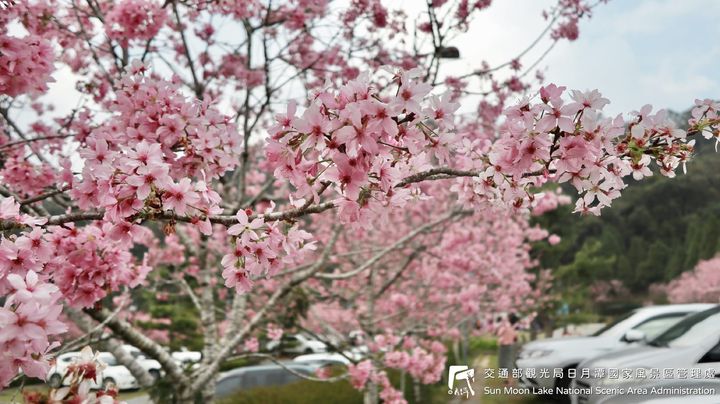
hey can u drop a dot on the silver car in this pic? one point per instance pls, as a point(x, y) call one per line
point(249, 377)
point(551, 360)
point(688, 352)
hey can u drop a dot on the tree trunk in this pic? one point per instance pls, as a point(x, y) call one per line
point(208, 392)
point(184, 395)
point(416, 390)
point(465, 342)
point(456, 351)
point(549, 327)
point(371, 393)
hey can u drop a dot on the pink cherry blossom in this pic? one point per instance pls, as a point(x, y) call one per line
point(251, 345)
point(180, 196)
point(30, 289)
point(25, 64)
point(701, 284)
point(134, 19)
point(274, 332)
point(360, 373)
point(244, 224)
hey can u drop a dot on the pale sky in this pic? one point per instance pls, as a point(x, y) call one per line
point(636, 52)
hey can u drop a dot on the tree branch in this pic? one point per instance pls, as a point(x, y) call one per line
point(204, 374)
point(447, 171)
point(377, 257)
point(198, 88)
point(229, 220)
point(399, 273)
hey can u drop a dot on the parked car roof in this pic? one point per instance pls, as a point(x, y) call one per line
point(270, 366)
point(324, 358)
point(684, 306)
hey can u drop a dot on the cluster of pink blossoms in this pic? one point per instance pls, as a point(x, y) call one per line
point(364, 144)
point(134, 19)
point(25, 64)
point(238, 9)
point(40, 266)
point(361, 143)
point(234, 67)
point(28, 319)
point(560, 141)
point(156, 154)
point(10, 214)
point(569, 12)
point(549, 201)
point(25, 176)
point(424, 360)
point(702, 284)
point(463, 267)
point(365, 372)
point(274, 332)
point(93, 260)
point(706, 119)
point(261, 249)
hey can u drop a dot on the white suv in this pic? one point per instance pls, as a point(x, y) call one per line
point(114, 374)
point(544, 356)
point(298, 344)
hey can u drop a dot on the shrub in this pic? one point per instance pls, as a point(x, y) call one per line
point(300, 392)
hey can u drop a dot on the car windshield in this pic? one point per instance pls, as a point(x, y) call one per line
point(690, 330)
point(610, 327)
point(107, 358)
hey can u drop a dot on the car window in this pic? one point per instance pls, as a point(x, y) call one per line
point(712, 355)
point(228, 385)
point(270, 377)
point(254, 379)
point(652, 327)
point(612, 325)
point(691, 330)
point(108, 359)
point(290, 342)
point(279, 377)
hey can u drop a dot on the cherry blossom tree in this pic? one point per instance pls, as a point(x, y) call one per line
point(237, 153)
point(701, 284)
point(426, 291)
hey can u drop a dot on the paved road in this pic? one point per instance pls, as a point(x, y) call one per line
point(139, 400)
